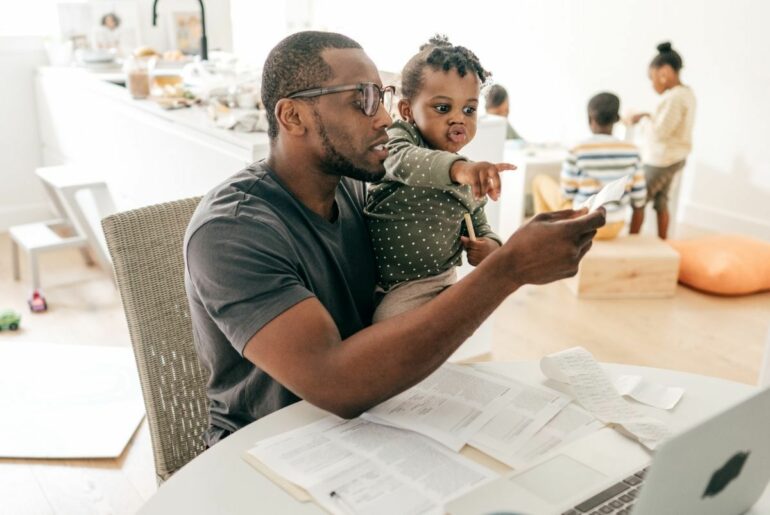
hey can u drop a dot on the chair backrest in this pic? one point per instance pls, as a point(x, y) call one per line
point(146, 249)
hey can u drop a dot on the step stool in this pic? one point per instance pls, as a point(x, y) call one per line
point(62, 185)
point(628, 267)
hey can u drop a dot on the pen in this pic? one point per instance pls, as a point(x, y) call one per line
point(342, 502)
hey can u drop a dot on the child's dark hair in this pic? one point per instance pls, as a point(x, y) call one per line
point(496, 95)
point(667, 56)
point(439, 54)
point(604, 108)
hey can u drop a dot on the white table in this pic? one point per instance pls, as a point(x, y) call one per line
point(219, 481)
point(517, 186)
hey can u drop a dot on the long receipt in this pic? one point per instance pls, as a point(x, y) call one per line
point(597, 394)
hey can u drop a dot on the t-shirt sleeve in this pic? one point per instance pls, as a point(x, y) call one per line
point(244, 275)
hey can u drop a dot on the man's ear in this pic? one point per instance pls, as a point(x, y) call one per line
point(405, 110)
point(291, 117)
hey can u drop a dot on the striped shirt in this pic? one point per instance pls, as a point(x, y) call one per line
point(597, 162)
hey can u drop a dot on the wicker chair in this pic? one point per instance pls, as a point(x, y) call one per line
point(146, 249)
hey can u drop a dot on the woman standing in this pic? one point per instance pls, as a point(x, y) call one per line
point(668, 139)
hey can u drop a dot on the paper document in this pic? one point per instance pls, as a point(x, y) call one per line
point(354, 466)
point(528, 425)
point(596, 393)
point(528, 410)
point(647, 392)
point(611, 192)
point(449, 406)
point(570, 424)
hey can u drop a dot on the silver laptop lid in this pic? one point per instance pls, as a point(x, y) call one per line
point(718, 467)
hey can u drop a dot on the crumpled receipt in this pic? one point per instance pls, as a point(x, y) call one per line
point(596, 393)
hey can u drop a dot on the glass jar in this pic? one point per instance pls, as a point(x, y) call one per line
point(137, 71)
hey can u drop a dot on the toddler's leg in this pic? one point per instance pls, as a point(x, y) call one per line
point(413, 294)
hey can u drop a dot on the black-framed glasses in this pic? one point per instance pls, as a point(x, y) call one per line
point(372, 95)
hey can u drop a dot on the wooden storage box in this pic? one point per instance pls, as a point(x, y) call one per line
point(627, 267)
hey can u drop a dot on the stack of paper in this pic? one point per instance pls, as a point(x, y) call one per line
point(355, 466)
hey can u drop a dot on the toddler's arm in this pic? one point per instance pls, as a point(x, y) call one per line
point(411, 164)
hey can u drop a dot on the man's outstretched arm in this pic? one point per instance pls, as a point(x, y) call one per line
point(348, 377)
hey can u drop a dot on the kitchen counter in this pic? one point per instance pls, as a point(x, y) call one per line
point(145, 153)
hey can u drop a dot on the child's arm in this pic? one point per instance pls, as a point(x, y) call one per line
point(411, 164)
point(667, 118)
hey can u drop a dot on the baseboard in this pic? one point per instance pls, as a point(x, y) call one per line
point(719, 220)
point(24, 214)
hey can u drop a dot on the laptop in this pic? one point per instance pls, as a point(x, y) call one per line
point(718, 467)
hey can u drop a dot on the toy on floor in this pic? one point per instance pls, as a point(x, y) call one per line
point(37, 302)
point(9, 319)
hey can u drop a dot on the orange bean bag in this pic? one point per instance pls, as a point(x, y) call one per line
point(724, 264)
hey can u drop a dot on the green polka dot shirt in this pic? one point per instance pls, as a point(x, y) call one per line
point(416, 213)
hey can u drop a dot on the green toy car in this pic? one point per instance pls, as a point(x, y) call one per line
point(9, 320)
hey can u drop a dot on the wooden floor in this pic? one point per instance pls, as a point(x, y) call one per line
point(691, 331)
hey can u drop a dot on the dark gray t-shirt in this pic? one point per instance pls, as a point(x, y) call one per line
point(252, 251)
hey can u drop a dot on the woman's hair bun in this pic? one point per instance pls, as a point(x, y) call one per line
point(664, 47)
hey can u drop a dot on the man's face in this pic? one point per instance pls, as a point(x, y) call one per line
point(445, 109)
point(352, 143)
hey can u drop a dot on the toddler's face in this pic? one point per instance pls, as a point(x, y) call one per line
point(445, 109)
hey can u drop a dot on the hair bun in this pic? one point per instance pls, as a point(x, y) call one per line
point(664, 47)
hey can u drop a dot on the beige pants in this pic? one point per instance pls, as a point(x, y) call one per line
point(547, 197)
point(413, 294)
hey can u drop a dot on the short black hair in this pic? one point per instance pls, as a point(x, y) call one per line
point(604, 108)
point(296, 64)
point(439, 54)
point(667, 56)
point(495, 96)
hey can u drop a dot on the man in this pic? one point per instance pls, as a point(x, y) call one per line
point(280, 273)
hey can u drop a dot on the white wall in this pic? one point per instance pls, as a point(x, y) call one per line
point(218, 31)
point(552, 55)
point(21, 196)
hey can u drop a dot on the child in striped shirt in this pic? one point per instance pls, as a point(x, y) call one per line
point(594, 163)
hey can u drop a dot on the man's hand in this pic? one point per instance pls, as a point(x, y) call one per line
point(482, 177)
point(551, 245)
point(479, 249)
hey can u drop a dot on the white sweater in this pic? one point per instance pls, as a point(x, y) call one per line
point(668, 138)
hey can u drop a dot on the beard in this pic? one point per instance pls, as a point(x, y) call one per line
point(335, 163)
